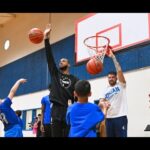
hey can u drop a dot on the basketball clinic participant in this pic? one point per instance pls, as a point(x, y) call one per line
point(19, 113)
point(84, 116)
point(115, 93)
point(62, 88)
point(46, 115)
point(8, 116)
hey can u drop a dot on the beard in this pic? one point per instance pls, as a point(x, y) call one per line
point(63, 68)
point(112, 83)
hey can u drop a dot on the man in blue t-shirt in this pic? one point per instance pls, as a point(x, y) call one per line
point(46, 116)
point(8, 116)
point(84, 116)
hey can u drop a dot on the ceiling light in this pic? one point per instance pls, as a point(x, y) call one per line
point(6, 44)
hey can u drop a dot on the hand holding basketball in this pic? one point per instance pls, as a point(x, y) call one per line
point(47, 31)
point(110, 52)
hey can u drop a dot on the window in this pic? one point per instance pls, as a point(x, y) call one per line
point(28, 119)
point(38, 111)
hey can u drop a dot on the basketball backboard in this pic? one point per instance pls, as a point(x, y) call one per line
point(123, 29)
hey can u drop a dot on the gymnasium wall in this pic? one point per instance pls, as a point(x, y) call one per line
point(34, 66)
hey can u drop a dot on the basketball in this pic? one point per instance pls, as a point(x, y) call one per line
point(36, 35)
point(94, 66)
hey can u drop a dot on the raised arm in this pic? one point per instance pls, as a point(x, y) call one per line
point(118, 67)
point(50, 59)
point(104, 105)
point(15, 87)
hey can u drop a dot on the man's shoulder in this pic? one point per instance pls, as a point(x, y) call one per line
point(45, 99)
point(7, 100)
point(122, 84)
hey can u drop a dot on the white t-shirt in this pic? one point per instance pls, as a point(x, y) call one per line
point(117, 97)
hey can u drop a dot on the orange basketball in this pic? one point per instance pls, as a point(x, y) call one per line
point(36, 35)
point(94, 66)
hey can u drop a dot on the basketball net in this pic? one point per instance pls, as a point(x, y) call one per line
point(97, 46)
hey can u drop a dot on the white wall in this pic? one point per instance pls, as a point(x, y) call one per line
point(138, 89)
point(29, 101)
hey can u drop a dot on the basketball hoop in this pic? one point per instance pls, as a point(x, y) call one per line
point(98, 46)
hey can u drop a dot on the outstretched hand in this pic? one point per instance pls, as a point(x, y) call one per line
point(47, 31)
point(15, 88)
point(110, 52)
point(104, 104)
point(22, 80)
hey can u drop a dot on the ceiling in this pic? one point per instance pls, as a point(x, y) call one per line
point(6, 17)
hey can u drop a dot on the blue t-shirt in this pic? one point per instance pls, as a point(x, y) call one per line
point(47, 111)
point(7, 114)
point(20, 122)
point(83, 117)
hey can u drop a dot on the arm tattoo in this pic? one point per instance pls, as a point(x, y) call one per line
point(116, 63)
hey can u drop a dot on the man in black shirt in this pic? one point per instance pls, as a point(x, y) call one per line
point(62, 88)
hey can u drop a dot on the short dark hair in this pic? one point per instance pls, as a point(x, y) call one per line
point(82, 88)
point(112, 72)
point(19, 113)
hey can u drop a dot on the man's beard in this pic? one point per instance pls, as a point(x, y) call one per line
point(112, 83)
point(63, 68)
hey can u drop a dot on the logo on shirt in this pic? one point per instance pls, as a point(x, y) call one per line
point(123, 128)
point(3, 118)
point(112, 92)
point(65, 82)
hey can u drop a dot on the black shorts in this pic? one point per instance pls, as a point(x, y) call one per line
point(117, 127)
point(58, 112)
point(47, 130)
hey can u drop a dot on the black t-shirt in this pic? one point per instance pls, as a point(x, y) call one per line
point(62, 86)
